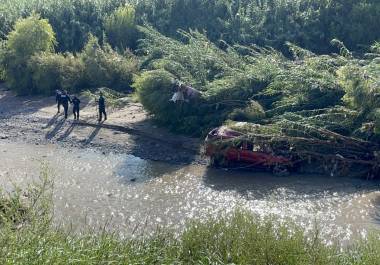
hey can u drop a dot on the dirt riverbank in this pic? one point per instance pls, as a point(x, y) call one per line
point(128, 129)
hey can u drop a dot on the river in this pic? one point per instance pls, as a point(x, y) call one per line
point(129, 195)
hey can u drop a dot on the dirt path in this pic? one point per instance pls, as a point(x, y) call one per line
point(127, 130)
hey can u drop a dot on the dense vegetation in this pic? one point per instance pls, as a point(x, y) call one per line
point(214, 46)
point(308, 23)
point(28, 236)
point(241, 83)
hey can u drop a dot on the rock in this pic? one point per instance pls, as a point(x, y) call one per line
point(3, 136)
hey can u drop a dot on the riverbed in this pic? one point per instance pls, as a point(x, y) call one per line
point(129, 195)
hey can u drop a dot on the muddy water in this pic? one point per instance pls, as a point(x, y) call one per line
point(132, 195)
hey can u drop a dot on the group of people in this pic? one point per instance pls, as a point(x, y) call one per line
point(63, 99)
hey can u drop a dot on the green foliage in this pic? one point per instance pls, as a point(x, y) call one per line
point(254, 112)
point(311, 24)
point(30, 36)
point(120, 28)
point(337, 92)
point(154, 89)
point(97, 66)
point(106, 68)
point(72, 20)
point(308, 84)
point(226, 79)
point(56, 71)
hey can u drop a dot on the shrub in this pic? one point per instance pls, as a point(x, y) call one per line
point(30, 36)
point(56, 71)
point(106, 68)
point(155, 89)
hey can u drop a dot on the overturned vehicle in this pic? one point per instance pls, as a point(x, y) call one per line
point(291, 149)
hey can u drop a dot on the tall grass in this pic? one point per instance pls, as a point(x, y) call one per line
point(27, 236)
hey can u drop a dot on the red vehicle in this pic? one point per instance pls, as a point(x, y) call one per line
point(224, 151)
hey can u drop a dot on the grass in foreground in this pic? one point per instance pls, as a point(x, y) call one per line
point(28, 237)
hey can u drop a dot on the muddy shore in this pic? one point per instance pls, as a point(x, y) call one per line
point(128, 130)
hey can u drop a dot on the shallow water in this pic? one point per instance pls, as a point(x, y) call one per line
point(132, 195)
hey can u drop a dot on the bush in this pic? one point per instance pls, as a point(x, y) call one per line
point(56, 71)
point(106, 68)
point(155, 89)
point(30, 36)
point(121, 29)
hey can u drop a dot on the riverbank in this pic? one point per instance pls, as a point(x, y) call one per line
point(128, 130)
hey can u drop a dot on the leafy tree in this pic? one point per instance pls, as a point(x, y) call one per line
point(121, 29)
point(30, 36)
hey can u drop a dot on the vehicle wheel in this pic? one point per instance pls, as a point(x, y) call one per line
point(280, 171)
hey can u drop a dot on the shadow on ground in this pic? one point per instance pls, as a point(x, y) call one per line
point(262, 184)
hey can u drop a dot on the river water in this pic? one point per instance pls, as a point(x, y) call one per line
point(132, 196)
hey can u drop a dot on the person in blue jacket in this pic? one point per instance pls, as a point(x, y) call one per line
point(102, 108)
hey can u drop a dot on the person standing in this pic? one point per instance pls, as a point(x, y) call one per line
point(76, 107)
point(58, 94)
point(65, 99)
point(102, 108)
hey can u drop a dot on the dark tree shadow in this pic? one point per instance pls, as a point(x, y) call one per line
point(92, 136)
point(152, 142)
point(58, 126)
point(51, 121)
point(261, 184)
point(67, 132)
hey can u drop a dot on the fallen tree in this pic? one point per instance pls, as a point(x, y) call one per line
point(316, 107)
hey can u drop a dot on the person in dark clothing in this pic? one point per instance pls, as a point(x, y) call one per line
point(102, 108)
point(65, 99)
point(58, 100)
point(76, 103)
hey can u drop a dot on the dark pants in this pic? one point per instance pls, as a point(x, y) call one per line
point(66, 108)
point(101, 112)
point(59, 106)
point(76, 113)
